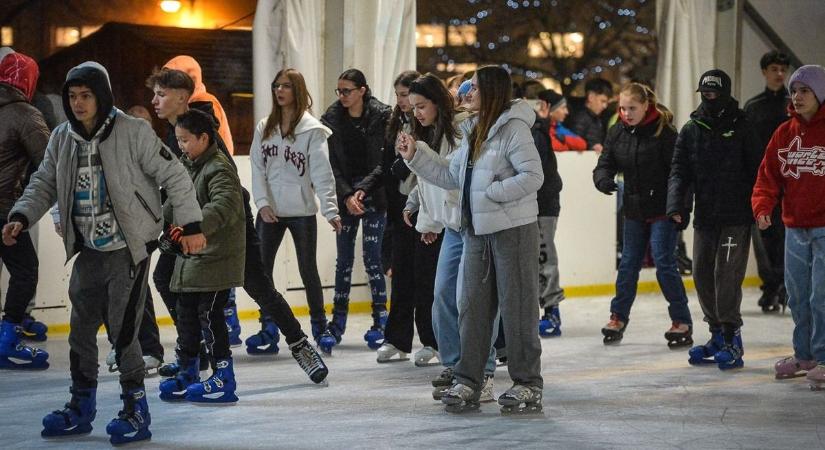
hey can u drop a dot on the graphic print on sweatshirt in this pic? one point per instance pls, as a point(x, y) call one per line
point(297, 159)
point(796, 159)
point(92, 210)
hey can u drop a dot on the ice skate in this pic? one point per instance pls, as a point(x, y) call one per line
point(521, 399)
point(460, 399)
point(427, 356)
point(151, 365)
point(487, 394)
point(614, 330)
point(132, 422)
point(32, 330)
point(375, 335)
point(75, 418)
point(219, 388)
point(730, 355)
point(388, 353)
point(550, 323)
point(441, 383)
point(679, 335)
point(174, 388)
point(15, 355)
point(233, 325)
point(334, 332)
point(111, 360)
point(791, 367)
point(309, 360)
point(816, 378)
point(265, 342)
point(704, 354)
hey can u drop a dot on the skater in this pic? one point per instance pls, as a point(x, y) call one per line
point(717, 155)
point(290, 166)
point(640, 147)
point(104, 170)
point(358, 121)
point(553, 107)
point(800, 182)
point(767, 111)
point(498, 171)
point(202, 284)
point(171, 88)
point(586, 121)
point(416, 234)
point(23, 139)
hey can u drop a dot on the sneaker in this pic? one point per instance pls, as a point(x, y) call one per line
point(487, 394)
point(425, 357)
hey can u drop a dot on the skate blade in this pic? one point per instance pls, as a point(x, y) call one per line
point(788, 377)
point(531, 410)
point(268, 350)
point(463, 408)
point(702, 362)
point(121, 439)
point(679, 345)
point(85, 428)
point(10, 363)
point(393, 359)
point(221, 398)
point(729, 367)
point(173, 397)
point(430, 363)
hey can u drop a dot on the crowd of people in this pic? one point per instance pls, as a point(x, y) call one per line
point(454, 186)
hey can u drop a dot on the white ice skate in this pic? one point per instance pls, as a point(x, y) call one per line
point(151, 364)
point(460, 399)
point(521, 399)
point(427, 356)
point(111, 361)
point(388, 353)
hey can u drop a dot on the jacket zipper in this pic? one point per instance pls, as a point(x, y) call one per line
point(146, 207)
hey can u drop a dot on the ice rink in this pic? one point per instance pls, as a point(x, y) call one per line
point(638, 394)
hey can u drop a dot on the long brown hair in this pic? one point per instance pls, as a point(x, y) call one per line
point(397, 118)
point(496, 89)
point(303, 102)
point(433, 89)
point(643, 93)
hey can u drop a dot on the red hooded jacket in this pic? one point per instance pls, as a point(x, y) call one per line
point(794, 167)
point(21, 72)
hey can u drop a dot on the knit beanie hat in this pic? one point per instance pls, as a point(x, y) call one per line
point(812, 76)
point(464, 89)
point(553, 98)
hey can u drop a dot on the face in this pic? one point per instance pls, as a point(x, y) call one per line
point(775, 76)
point(632, 110)
point(84, 104)
point(402, 98)
point(349, 94)
point(191, 145)
point(560, 113)
point(710, 95)
point(473, 99)
point(596, 102)
point(168, 102)
point(804, 101)
point(424, 110)
point(284, 91)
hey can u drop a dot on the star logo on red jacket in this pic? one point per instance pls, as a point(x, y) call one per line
point(796, 159)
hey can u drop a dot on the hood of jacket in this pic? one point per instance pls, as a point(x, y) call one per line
point(94, 76)
point(819, 116)
point(21, 72)
point(518, 110)
point(308, 122)
point(188, 64)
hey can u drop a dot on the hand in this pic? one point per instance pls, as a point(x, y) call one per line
point(682, 222)
point(407, 215)
point(428, 238)
point(354, 205)
point(10, 232)
point(763, 222)
point(406, 148)
point(607, 186)
point(58, 229)
point(193, 243)
point(268, 215)
point(336, 224)
point(598, 148)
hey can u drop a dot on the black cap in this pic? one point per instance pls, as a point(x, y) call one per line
point(714, 81)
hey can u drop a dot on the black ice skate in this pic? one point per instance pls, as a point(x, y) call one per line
point(679, 335)
point(614, 330)
point(521, 399)
point(461, 398)
point(442, 383)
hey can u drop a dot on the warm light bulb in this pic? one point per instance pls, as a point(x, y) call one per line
point(170, 6)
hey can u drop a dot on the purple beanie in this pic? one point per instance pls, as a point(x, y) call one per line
point(812, 76)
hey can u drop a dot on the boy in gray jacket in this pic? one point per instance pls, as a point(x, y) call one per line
point(104, 170)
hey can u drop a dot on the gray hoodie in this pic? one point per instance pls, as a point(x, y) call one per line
point(505, 177)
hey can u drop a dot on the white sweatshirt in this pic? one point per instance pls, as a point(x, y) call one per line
point(437, 207)
point(287, 174)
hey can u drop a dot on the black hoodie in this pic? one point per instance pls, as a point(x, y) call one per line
point(95, 77)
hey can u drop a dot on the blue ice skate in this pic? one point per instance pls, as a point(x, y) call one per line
point(17, 356)
point(219, 388)
point(174, 388)
point(266, 341)
point(233, 325)
point(334, 332)
point(704, 354)
point(375, 335)
point(75, 418)
point(550, 323)
point(132, 422)
point(730, 355)
point(32, 330)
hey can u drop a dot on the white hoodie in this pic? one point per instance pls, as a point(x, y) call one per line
point(286, 173)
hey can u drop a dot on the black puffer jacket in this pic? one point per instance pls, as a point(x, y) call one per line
point(766, 112)
point(718, 157)
point(548, 194)
point(376, 115)
point(644, 159)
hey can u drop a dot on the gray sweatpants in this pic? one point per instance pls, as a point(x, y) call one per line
point(550, 292)
point(720, 258)
point(500, 273)
point(106, 284)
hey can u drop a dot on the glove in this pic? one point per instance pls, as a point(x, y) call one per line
point(169, 241)
point(685, 221)
point(606, 186)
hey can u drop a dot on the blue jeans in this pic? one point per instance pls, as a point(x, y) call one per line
point(374, 222)
point(662, 235)
point(445, 305)
point(805, 282)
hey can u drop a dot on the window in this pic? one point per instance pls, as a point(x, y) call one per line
point(564, 45)
point(460, 35)
point(7, 36)
point(66, 36)
point(430, 35)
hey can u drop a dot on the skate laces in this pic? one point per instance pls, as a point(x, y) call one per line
point(307, 358)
